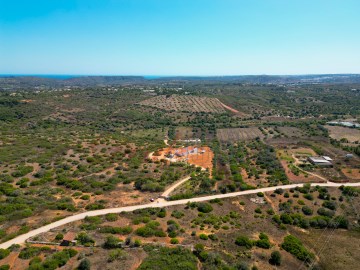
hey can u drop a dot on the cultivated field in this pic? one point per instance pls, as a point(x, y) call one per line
point(238, 134)
point(338, 133)
point(291, 131)
point(185, 104)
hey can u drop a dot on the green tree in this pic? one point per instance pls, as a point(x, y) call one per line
point(84, 265)
point(275, 258)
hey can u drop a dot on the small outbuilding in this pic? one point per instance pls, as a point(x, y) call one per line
point(69, 239)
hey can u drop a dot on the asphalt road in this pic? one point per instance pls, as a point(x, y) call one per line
point(22, 238)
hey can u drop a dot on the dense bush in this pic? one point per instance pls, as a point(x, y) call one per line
point(84, 265)
point(111, 217)
point(169, 258)
point(85, 239)
point(204, 208)
point(116, 230)
point(307, 210)
point(294, 246)
point(244, 241)
point(4, 253)
point(30, 252)
point(275, 258)
point(112, 242)
point(55, 261)
point(150, 229)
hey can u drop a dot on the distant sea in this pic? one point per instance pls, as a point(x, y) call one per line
point(49, 76)
point(64, 76)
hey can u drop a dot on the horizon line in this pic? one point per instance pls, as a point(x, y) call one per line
point(172, 75)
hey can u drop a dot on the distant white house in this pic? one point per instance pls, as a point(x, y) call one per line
point(191, 140)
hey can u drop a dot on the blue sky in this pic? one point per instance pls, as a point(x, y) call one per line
point(179, 37)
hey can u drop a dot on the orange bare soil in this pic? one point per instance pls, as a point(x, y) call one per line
point(198, 156)
point(351, 173)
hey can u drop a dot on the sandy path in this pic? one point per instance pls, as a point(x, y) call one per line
point(229, 108)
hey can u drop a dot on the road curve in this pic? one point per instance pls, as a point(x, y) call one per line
point(174, 186)
point(22, 238)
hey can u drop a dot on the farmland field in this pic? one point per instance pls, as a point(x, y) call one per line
point(338, 133)
point(291, 131)
point(238, 134)
point(185, 104)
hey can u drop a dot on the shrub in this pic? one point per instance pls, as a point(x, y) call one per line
point(327, 213)
point(59, 237)
point(294, 246)
point(177, 214)
point(112, 242)
point(213, 237)
point(161, 213)
point(30, 252)
point(309, 196)
point(169, 258)
point(116, 230)
point(4, 253)
point(275, 258)
point(244, 241)
point(57, 260)
point(263, 242)
point(137, 243)
point(174, 241)
point(258, 210)
point(307, 210)
point(111, 217)
point(5, 267)
point(150, 229)
point(84, 265)
point(329, 205)
point(85, 197)
point(204, 208)
point(85, 239)
point(35, 260)
point(117, 254)
point(203, 236)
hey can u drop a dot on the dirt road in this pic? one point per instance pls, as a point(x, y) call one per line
point(22, 238)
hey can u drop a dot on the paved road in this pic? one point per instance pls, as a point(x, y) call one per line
point(22, 238)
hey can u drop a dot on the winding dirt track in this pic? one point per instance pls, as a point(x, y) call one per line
point(22, 238)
